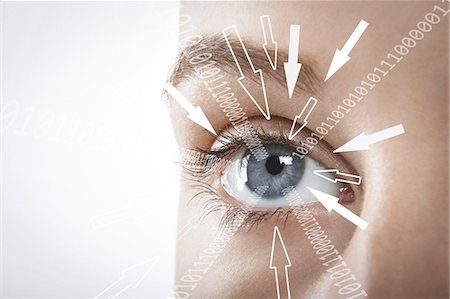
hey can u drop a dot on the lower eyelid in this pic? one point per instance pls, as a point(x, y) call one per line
point(254, 216)
point(215, 199)
point(322, 152)
point(315, 208)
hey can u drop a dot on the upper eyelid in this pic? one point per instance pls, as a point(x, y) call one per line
point(221, 56)
point(323, 152)
point(223, 201)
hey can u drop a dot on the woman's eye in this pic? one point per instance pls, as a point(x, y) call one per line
point(280, 170)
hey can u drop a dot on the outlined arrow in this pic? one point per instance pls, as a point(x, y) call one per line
point(280, 262)
point(194, 113)
point(257, 94)
point(267, 28)
point(131, 277)
point(135, 210)
point(292, 67)
point(302, 117)
point(341, 56)
point(363, 141)
point(354, 179)
point(192, 223)
point(331, 203)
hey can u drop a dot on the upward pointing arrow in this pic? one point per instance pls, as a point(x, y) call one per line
point(194, 113)
point(331, 203)
point(292, 67)
point(281, 260)
point(341, 56)
point(131, 277)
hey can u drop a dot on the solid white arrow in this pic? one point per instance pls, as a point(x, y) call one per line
point(363, 141)
point(341, 56)
point(302, 117)
point(194, 113)
point(229, 33)
point(355, 179)
point(283, 261)
point(267, 27)
point(292, 67)
point(331, 203)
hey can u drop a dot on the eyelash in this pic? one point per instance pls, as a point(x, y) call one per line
point(231, 213)
point(200, 181)
point(232, 143)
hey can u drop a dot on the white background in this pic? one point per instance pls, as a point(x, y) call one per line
point(89, 173)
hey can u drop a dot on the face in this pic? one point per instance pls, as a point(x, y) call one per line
point(249, 211)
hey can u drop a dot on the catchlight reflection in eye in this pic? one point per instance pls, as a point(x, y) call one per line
point(280, 170)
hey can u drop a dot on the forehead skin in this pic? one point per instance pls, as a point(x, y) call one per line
point(404, 251)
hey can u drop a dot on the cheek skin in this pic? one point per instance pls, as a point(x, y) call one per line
point(242, 269)
point(404, 251)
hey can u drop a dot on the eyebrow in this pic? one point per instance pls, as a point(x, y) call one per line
point(215, 44)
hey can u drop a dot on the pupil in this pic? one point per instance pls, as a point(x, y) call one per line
point(280, 170)
point(273, 165)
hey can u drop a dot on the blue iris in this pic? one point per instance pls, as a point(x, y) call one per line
point(280, 170)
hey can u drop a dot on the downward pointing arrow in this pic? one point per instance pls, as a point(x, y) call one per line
point(292, 67)
point(278, 249)
point(339, 59)
point(302, 117)
point(341, 56)
point(363, 141)
point(267, 28)
point(199, 117)
point(257, 95)
point(331, 203)
point(194, 113)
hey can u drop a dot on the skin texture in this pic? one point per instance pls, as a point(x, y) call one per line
point(404, 197)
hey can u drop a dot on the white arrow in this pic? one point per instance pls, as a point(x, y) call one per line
point(341, 56)
point(257, 94)
point(281, 261)
point(131, 277)
point(363, 141)
point(355, 179)
point(331, 203)
point(292, 67)
point(136, 210)
point(267, 27)
point(302, 117)
point(194, 113)
point(192, 223)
